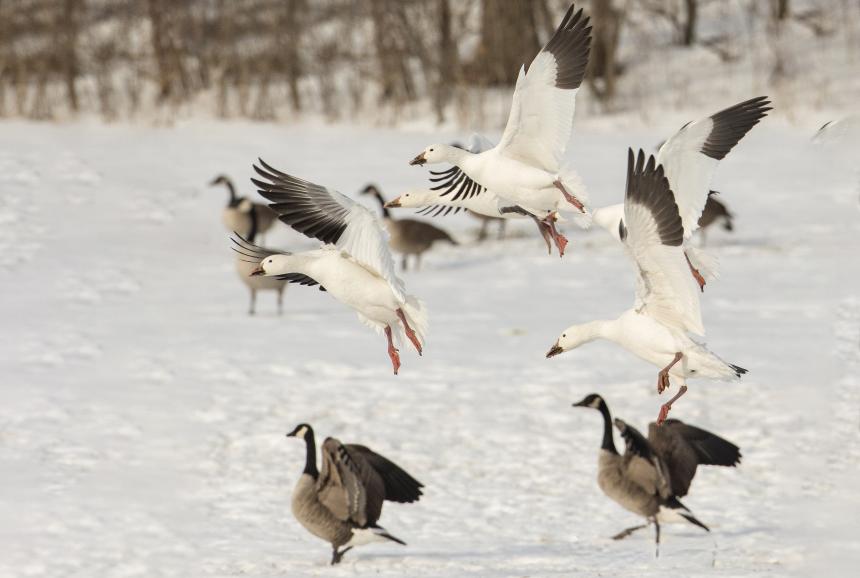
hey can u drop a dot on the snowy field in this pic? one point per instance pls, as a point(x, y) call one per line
point(143, 412)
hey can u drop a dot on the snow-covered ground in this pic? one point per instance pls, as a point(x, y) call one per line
point(143, 412)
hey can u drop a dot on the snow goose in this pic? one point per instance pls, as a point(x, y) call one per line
point(243, 216)
point(407, 236)
point(667, 302)
point(525, 168)
point(653, 473)
point(455, 193)
point(690, 159)
point(355, 265)
point(342, 503)
point(715, 211)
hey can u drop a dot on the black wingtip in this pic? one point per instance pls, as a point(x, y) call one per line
point(739, 371)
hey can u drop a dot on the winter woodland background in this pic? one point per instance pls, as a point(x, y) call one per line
point(390, 61)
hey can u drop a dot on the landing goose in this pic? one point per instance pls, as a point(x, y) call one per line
point(342, 503)
point(454, 193)
point(355, 265)
point(525, 168)
point(407, 236)
point(666, 309)
point(653, 473)
point(243, 216)
point(690, 159)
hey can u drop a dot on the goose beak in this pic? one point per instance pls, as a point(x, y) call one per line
point(580, 403)
point(554, 350)
point(392, 204)
point(256, 272)
point(419, 160)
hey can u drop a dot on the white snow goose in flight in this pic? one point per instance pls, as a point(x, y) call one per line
point(690, 159)
point(667, 300)
point(355, 266)
point(455, 193)
point(525, 169)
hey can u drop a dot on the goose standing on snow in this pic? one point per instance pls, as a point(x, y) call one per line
point(667, 301)
point(653, 473)
point(525, 169)
point(243, 216)
point(342, 503)
point(355, 265)
point(246, 266)
point(690, 159)
point(408, 236)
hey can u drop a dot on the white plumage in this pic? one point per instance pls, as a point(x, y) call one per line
point(666, 307)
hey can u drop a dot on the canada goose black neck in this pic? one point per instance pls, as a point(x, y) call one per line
point(234, 200)
point(375, 192)
point(255, 225)
point(608, 441)
point(311, 455)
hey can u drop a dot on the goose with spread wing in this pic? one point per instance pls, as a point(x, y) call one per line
point(454, 194)
point(666, 309)
point(526, 167)
point(342, 503)
point(355, 264)
point(653, 473)
point(690, 159)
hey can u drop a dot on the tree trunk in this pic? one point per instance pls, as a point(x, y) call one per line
point(509, 39)
point(690, 22)
point(603, 68)
point(447, 63)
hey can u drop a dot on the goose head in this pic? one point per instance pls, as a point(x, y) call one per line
point(437, 153)
point(272, 265)
point(592, 400)
point(412, 199)
point(300, 431)
point(573, 337)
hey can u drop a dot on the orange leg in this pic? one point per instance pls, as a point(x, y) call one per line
point(663, 376)
point(570, 198)
point(392, 351)
point(664, 409)
point(409, 333)
point(696, 275)
point(560, 240)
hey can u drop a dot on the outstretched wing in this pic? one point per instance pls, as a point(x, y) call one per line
point(541, 118)
point(653, 234)
point(331, 217)
point(348, 486)
point(399, 485)
point(684, 447)
point(690, 157)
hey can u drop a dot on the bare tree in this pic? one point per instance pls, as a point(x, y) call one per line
point(606, 36)
point(509, 39)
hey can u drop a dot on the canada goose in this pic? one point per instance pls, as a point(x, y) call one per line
point(408, 236)
point(690, 158)
point(355, 266)
point(666, 308)
point(245, 267)
point(714, 211)
point(342, 503)
point(653, 473)
point(526, 168)
point(485, 225)
point(243, 216)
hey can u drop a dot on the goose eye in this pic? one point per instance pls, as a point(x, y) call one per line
point(564, 334)
point(431, 150)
